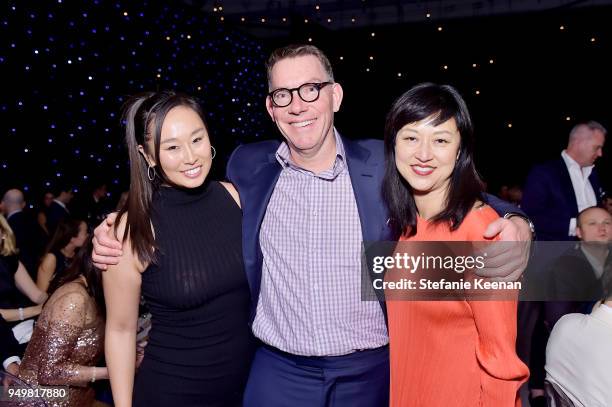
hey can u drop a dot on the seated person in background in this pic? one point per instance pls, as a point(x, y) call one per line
point(579, 353)
point(68, 338)
point(15, 280)
point(575, 277)
point(69, 236)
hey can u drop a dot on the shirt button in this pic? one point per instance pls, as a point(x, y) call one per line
point(314, 213)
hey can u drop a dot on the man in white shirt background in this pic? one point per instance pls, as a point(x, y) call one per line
point(556, 191)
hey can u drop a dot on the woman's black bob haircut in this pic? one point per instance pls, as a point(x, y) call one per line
point(440, 103)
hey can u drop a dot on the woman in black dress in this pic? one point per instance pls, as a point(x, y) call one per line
point(181, 237)
point(15, 281)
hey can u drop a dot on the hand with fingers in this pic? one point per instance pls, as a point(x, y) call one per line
point(107, 249)
point(507, 262)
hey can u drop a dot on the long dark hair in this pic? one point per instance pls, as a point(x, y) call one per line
point(82, 265)
point(144, 115)
point(442, 102)
point(65, 231)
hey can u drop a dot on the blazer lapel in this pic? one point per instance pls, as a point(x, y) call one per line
point(257, 197)
point(567, 187)
point(366, 187)
point(600, 194)
point(366, 177)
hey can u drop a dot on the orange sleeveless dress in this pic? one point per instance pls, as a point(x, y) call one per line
point(454, 353)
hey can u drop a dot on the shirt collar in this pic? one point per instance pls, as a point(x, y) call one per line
point(571, 163)
point(60, 203)
point(283, 156)
point(13, 212)
point(602, 312)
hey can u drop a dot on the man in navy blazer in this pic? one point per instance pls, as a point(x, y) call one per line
point(556, 191)
point(254, 170)
point(58, 210)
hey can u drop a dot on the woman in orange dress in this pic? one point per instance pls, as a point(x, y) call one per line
point(443, 353)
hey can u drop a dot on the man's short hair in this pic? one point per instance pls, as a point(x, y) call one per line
point(297, 50)
point(591, 125)
point(61, 187)
point(13, 197)
point(582, 212)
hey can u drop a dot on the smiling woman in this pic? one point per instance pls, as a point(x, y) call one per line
point(425, 155)
point(185, 153)
point(443, 353)
point(181, 237)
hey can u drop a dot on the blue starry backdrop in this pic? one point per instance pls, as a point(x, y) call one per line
point(68, 66)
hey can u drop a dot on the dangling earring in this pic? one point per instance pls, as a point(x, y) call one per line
point(151, 175)
point(214, 152)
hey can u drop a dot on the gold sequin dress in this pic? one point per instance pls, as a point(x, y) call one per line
point(67, 339)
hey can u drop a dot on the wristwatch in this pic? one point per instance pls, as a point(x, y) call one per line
point(526, 219)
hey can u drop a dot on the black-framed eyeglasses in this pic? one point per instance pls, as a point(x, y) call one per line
point(308, 92)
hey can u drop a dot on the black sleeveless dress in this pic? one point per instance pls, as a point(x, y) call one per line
point(200, 344)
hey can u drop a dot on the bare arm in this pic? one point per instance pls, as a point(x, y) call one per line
point(26, 285)
point(42, 222)
point(122, 293)
point(12, 315)
point(46, 271)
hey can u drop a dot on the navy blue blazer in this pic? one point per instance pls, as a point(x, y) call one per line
point(55, 214)
point(254, 171)
point(550, 201)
